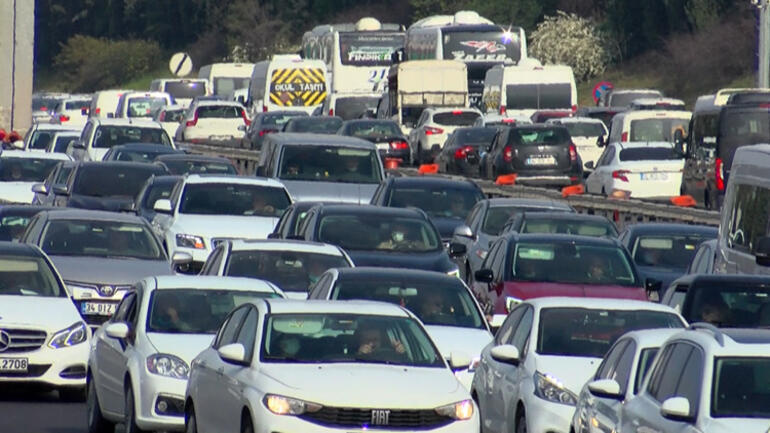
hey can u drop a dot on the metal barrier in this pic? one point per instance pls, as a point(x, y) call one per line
point(622, 212)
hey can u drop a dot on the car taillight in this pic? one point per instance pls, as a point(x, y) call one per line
point(574, 109)
point(457, 112)
point(399, 145)
point(620, 175)
point(245, 119)
point(43, 108)
point(624, 137)
point(573, 153)
point(264, 108)
point(507, 154)
point(502, 109)
point(98, 110)
point(719, 171)
point(331, 112)
point(194, 121)
point(266, 131)
point(162, 116)
point(429, 130)
point(462, 152)
point(64, 118)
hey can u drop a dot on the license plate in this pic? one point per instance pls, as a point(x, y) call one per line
point(221, 137)
point(383, 146)
point(541, 160)
point(653, 176)
point(98, 308)
point(14, 364)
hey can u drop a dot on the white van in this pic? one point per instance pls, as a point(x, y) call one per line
point(141, 104)
point(743, 246)
point(522, 90)
point(183, 90)
point(287, 82)
point(648, 125)
point(105, 102)
point(226, 78)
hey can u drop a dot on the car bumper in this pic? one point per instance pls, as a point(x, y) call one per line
point(547, 417)
point(55, 368)
point(547, 180)
point(401, 154)
point(153, 392)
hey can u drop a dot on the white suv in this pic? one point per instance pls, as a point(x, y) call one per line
point(100, 134)
point(434, 126)
point(707, 380)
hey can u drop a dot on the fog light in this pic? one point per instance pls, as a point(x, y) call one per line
point(162, 406)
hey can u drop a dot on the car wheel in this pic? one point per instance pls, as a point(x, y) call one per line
point(74, 395)
point(247, 426)
point(521, 424)
point(130, 412)
point(96, 421)
point(191, 423)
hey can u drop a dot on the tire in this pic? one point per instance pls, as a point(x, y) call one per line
point(521, 424)
point(96, 421)
point(73, 395)
point(191, 424)
point(129, 412)
point(247, 426)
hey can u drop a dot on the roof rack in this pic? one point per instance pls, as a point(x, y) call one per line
point(718, 335)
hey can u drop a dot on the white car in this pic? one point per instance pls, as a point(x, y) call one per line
point(495, 119)
point(544, 353)
point(213, 121)
point(140, 359)
point(587, 133)
point(72, 112)
point(38, 137)
point(280, 366)
point(289, 264)
point(206, 210)
point(104, 102)
point(19, 171)
point(617, 380)
point(43, 340)
point(169, 117)
point(141, 104)
point(100, 134)
point(61, 141)
point(434, 126)
point(637, 170)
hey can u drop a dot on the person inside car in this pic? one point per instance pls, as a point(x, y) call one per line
point(259, 206)
point(371, 343)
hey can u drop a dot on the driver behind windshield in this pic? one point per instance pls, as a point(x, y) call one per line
point(402, 237)
point(373, 343)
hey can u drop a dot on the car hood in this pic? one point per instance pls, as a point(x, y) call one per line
point(572, 371)
point(527, 290)
point(340, 384)
point(225, 226)
point(114, 204)
point(185, 346)
point(359, 193)
point(17, 192)
point(38, 312)
point(431, 261)
point(454, 339)
point(665, 276)
point(101, 270)
point(446, 226)
point(728, 425)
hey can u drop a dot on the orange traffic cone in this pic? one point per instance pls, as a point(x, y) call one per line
point(428, 169)
point(683, 201)
point(506, 179)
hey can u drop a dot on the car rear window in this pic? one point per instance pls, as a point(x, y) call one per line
point(729, 304)
point(292, 271)
point(320, 125)
point(219, 112)
point(475, 135)
point(456, 118)
point(374, 129)
point(539, 136)
point(572, 227)
point(26, 169)
point(144, 106)
point(354, 108)
point(185, 89)
point(648, 154)
point(539, 96)
point(584, 129)
point(623, 99)
point(279, 119)
point(673, 252)
point(657, 129)
point(111, 135)
point(77, 105)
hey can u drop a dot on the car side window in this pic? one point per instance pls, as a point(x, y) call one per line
point(320, 290)
point(748, 220)
point(248, 333)
point(212, 265)
point(622, 370)
point(609, 156)
point(228, 332)
point(610, 359)
point(658, 369)
point(491, 256)
point(498, 265)
point(691, 380)
point(521, 334)
point(673, 371)
point(122, 310)
point(471, 219)
point(505, 332)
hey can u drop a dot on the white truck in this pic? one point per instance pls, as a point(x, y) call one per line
point(523, 90)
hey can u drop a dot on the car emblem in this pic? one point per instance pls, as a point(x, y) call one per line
point(106, 290)
point(5, 341)
point(380, 417)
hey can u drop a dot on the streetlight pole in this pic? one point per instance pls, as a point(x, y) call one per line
point(763, 78)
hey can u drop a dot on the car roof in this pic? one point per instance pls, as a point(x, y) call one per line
point(144, 146)
point(648, 114)
point(191, 157)
point(144, 93)
point(598, 304)
point(18, 249)
point(34, 155)
point(285, 245)
point(432, 182)
point(301, 139)
point(575, 119)
point(283, 113)
point(561, 238)
point(372, 308)
point(565, 216)
point(646, 338)
point(356, 121)
point(124, 164)
point(372, 272)
point(166, 178)
point(437, 110)
point(87, 214)
point(641, 144)
point(24, 209)
point(217, 103)
point(531, 202)
point(728, 341)
point(117, 121)
point(172, 107)
point(670, 228)
point(210, 282)
point(54, 127)
point(242, 180)
point(367, 209)
point(536, 126)
point(722, 280)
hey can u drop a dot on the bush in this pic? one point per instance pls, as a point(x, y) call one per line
point(88, 64)
point(570, 40)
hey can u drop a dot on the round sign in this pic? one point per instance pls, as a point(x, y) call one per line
point(600, 88)
point(180, 64)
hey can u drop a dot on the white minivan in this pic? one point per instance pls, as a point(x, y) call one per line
point(141, 104)
point(648, 125)
point(522, 90)
point(104, 103)
point(287, 82)
point(183, 90)
point(225, 78)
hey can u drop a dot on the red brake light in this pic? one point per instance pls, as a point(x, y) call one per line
point(456, 112)
point(64, 118)
point(194, 121)
point(620, 175)
point(719, 171)
point(43, 108)
point(98, 110)
point(429, 130)
point(264, 108)
point(331, 112)
point(624, 137)
point(507, 154)
point(573, 153)
point(267, 131)
point(399, 145)
point(162, 116)
point(502, 109)
point(462, 152)
point(245, 119)
point(509, 120)
point(764, 105)
point(574, 108)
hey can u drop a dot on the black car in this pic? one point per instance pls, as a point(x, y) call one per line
point(267, 123)
point(183, 163)
point(138, 152)
point(313, 125)
point(662, 251)
point(110, 186)
point(446, 201)
point(289, 224)
point(380, 236)
point(541, 155)
point(386, 134)
point(462, 148)
point(15, 218)
point(722, 300)
point(156, 188)
point(561, 223)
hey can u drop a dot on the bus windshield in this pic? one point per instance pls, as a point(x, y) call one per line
point(369, 49)
point(485, 46)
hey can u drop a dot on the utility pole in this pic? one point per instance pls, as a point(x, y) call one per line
point(763, 78)
point(17, 37)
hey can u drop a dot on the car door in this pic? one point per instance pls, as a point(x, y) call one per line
point(514, 375)
point(235, 378)
point(111, 356)
point(605, 413)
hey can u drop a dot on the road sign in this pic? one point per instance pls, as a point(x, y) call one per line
point(180, 64)
point(600, 88)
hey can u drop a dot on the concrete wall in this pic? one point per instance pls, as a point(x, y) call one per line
point(17, 38)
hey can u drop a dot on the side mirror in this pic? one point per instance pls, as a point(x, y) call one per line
point(77, 144)
point(589, 165)
point(484, 275)
point(459, 361)
point(600, 141)
point(762, 251)
point(506, 353)
point(117, 330)
point(457, 249)
point(605, 388)
point(18, 145)
point(233, 353)
point(162, 205)
point(40, 188)
point(181, 258)
point(242, 128)
point(464, 231)
point(676, 409)
point(60, 190)
point(652, 287)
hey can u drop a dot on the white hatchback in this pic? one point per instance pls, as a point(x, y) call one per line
point(213, 122)
point(587, 133)
point(434, 126)
point(19, 171)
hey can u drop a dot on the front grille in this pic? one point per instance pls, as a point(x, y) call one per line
point(32, 371)
point(362, 418)
point(22, 340)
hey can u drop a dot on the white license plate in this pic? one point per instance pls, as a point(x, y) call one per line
point(383, 146)
point(545, 160)
point(98, 308)
point(221, 137)
point(653, 176)
point(17, 365)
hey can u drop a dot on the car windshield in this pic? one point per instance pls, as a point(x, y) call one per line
point(28, 276)
point(658, 129)
point(330, 164)
point(354, 108)
point(12, 227)
point(112, 135)
point(572, 263)
point(672, 251)
point(195, 311)
point(538, 136)
point(729, 305)
point(108, 180)
point(584, 129)
point(224, 86)
point(740, 387)
point(319, 125)
point(112, 239)
point(649, 154)
point(497, 216)
point(43, 103)
point(348, 338)
point(279, 119)
point(374, 129)
point(434, 302)
point(442, 202)
point(62, 142)
point(234, 199)
point(41, 139)
point(144, 106)
point(141, 155)
point(567, 331)
point(219, 112)
point(456, 118)
point(26, 169)
point(476, 136)
point(569, 226)
point(185, 89)
point(181, 166)
point(379, 232)
point(292, 271)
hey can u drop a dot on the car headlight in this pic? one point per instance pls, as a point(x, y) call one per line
point(550, 388)
point(70, 336)
point(281, 405)
point(190, 241)
point(461, 410)
point(167, 365)
point(510, 302)
point(454, 273)
point(482, 254)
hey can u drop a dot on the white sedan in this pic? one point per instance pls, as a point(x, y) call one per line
point(284, 365)
point(20, 170)
point(140, 359)
point(637, 170)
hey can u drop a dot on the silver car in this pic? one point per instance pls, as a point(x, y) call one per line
point(140, 360)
